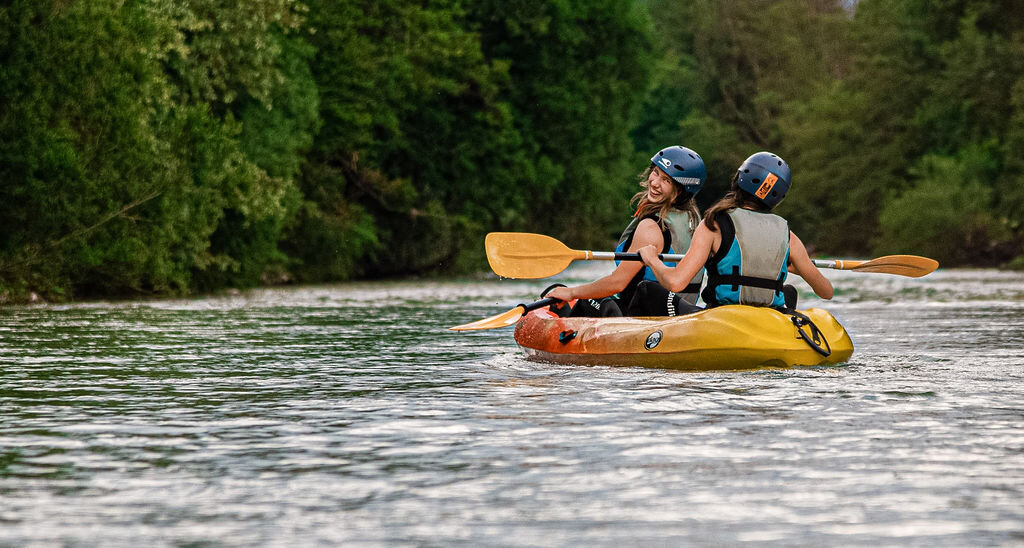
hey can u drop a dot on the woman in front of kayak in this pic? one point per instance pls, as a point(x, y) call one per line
point(747, 251)
point(665, 219)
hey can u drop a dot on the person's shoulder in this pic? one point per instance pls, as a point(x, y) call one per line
point(703, 231)
point(648, 225)
point(649, 228)
point(794, 241)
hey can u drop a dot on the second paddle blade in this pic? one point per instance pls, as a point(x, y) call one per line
point(902, 265)
point(526, 255)
point(504, 319)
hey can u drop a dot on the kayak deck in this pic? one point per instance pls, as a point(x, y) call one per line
point(722, 338)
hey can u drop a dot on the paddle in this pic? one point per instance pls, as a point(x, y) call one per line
point(911, 266)
point(526, 255)
point(505, 318)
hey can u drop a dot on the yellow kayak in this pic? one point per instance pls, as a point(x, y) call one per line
point(721, 338)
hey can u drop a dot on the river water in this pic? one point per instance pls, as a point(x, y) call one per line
point(348, 415)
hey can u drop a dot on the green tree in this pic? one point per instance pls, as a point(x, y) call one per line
point(578, 71)
point(121, 158)
point(733, 74)
point(947, 213)
point(442, 123)
point(410, 116)
point(247, 67)
point(82, 154)
point(929, 87)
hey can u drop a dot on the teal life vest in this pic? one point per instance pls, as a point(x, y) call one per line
point(750, 265)
point(676, 224)
point(645, 273)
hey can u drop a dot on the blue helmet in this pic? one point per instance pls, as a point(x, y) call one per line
point(766, 177)
point(684, 166)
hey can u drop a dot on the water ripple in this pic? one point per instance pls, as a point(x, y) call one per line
point(349, 415)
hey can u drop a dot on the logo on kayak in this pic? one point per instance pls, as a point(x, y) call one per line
point(652, 340)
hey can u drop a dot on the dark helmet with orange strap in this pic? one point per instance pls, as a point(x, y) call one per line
point(766, 177)
point(685, 167)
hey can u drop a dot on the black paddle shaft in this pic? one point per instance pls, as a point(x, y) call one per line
point(670, 257)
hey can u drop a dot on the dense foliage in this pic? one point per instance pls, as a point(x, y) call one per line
point(149, 147)
point(152, 146)
point(901, 120)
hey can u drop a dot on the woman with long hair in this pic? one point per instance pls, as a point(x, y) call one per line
point(665, 219)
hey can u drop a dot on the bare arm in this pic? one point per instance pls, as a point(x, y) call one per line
point(676, 279)
point(647, 234)
point(801, 265)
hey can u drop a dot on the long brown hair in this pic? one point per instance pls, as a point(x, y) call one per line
point(736, 197)
point(681, 202)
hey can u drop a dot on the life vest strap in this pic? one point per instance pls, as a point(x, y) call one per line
point(737, 280)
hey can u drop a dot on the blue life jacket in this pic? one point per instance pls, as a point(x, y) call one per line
point(750, 265)
point(645, 273)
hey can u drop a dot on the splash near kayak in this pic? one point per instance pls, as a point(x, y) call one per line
point(722, 338)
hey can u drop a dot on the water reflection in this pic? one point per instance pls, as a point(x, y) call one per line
point(349, 415)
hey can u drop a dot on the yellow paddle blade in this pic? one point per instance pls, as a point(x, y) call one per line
point(526, 255)
point(504, 319)
point(901, 265)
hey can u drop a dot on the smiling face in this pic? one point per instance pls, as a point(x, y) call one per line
point(660, 187)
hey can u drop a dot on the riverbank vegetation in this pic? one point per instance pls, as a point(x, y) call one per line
point(158, 147)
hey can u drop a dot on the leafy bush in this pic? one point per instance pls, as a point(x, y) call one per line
point(946, 215)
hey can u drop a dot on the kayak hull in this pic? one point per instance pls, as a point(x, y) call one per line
point(722, 338)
